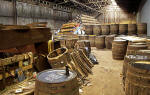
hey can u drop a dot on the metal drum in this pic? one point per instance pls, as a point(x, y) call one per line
point(56, 82)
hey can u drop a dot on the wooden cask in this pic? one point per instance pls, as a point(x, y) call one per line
point(105, 29)
point(123, 29)
point(132, 29)
point(114, 28)
point(58, 58)
point(96, 30)
point(56, 82)
point(119, 49)
point(89, 29)
point(92, 40)
point(138, 78)
point(141, 29)
point(70, 43)
point(108, 41)
point(143, 52)
point(131, 58)
point(100, 42)
point(132, 49)
point(82, 44)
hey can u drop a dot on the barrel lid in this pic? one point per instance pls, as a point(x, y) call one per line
point(136, 45)
point(55, 76)
point(119, 40)
point(141, 65)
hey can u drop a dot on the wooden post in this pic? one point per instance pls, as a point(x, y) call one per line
point(14, 12)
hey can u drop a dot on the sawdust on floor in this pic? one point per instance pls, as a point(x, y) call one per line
point(106, 78)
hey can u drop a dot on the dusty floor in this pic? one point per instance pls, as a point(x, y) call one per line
point(106, 78)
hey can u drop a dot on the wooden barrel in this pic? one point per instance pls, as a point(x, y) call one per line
point(100, 42)
point(114, 29)
point(83, 37)
point(137, 43)
point(96, 30)
point(105, 29)
point(70, 43)
point(141, 28)
point(84, 43)
point(148, 43)
point(108, 41)
point(138, 78)
point(132, 29)
point(58, 58)
point(132, 49)
point(119, 49)
point(127, 60)
point(123, 29)
point(143, 52)
point(92, 40)
point(89, 29)
point(56, 82)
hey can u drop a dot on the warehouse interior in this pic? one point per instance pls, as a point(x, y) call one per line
point(74, 47)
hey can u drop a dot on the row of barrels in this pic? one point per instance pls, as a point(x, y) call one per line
point(123, 29)
point(100, 42)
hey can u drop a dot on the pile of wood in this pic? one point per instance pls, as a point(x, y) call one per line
point(69, 28)
point(86, 20)
point(8, 66)
point(80, 64)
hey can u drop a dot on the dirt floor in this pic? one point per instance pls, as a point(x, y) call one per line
point(106, 78)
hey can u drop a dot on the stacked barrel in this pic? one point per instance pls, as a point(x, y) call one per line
point(123, 29)
point(139, 29)
point(136, 69)
point(96, 30)
point(110, 31)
